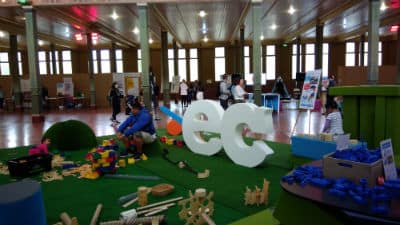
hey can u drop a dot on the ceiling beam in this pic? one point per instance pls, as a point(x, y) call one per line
point(14, 3)
point(289, 36)
point(165, 24)
point(91, 27)
point(240, 22)
point(387, 21)
point(19, 28)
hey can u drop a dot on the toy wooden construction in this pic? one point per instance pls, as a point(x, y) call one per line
point(96, 214)
point(200, 208)
point(161, 190)
point(257, 196)
point(142, 196)
point(153, 220)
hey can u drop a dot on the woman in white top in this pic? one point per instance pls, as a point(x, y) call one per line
point(333, 121)
point(238, 92)
point(184, 91)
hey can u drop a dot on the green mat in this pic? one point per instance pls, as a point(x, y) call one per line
point(79, 197)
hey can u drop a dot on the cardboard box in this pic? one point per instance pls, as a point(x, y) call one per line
point(337, 168)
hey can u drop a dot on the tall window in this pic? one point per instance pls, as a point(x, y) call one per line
point(270, 62)
point(171, 68)
point(325, 59)
point(219, 62)
point(246, 54)
point(95, 64)
point(42, 63)
point(19, 63)
point(66, 62)
point(56, 61)
point(105, 61)
point(294, 60)
point(194, 65)
point(119, 61)
point(4, 65)
point(139, 61)
point(310, 57)
point(182, 63)
point(366, 54)
point(350, 54)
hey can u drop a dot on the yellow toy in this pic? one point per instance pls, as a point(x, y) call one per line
point(258, 196)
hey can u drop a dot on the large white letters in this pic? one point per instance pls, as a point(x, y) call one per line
point(230, 125)
point(192, 126)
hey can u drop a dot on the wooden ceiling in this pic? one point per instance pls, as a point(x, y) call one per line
point(58, 21)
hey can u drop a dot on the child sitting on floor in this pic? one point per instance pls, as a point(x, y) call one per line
point(40, 148)
point(333, 121)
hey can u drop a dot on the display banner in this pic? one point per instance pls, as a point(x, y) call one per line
point(310, 89)
point(388, 159)
point(129, 83)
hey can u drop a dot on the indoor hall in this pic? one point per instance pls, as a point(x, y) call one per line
point(314, 70)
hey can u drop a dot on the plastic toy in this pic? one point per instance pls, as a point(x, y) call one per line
point(171, 141)
point(174, 125)
point(122, 163)
point(103, 159)
point(185, 165)
point(195, 206)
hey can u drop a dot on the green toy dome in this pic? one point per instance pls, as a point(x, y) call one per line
point(70, 135)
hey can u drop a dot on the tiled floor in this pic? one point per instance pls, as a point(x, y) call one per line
point(17, 129)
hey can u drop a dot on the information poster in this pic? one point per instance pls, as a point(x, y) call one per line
point(129, 83)
point(175, 84)
point(60, 89)
point(25, 85)
point(388, 159)
point(310, 89)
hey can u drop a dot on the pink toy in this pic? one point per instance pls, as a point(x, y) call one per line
point(40, 148)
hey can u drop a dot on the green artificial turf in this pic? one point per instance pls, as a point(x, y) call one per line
point(227, 180)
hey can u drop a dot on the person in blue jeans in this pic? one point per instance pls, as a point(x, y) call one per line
point(138, 127)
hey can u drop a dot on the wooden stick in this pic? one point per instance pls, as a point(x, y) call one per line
point(155, 208)
point(130, 202)
point(65, 218)
point(159, 203)
point(207, 219)
point(96, 214)
point(115, 222)
point(156, 211)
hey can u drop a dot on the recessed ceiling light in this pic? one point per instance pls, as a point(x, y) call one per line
point(151, 41)
point(262, 37)
point(205, 39)
point(202, 13)
point(291, 10)
point(383, 6)
point(2, 34)
point(274, 26)
point(135, 30)
point(344, 23)
point(114, 15)
point(3, 1)
point(40, 43)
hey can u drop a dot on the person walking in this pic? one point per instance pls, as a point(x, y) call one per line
point(115, 99)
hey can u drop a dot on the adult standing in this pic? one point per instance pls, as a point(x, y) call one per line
point(239, 93)
point(115, 98)
point(1, 98)
point(224, 92)
point(184, 92)
point(155, 92)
